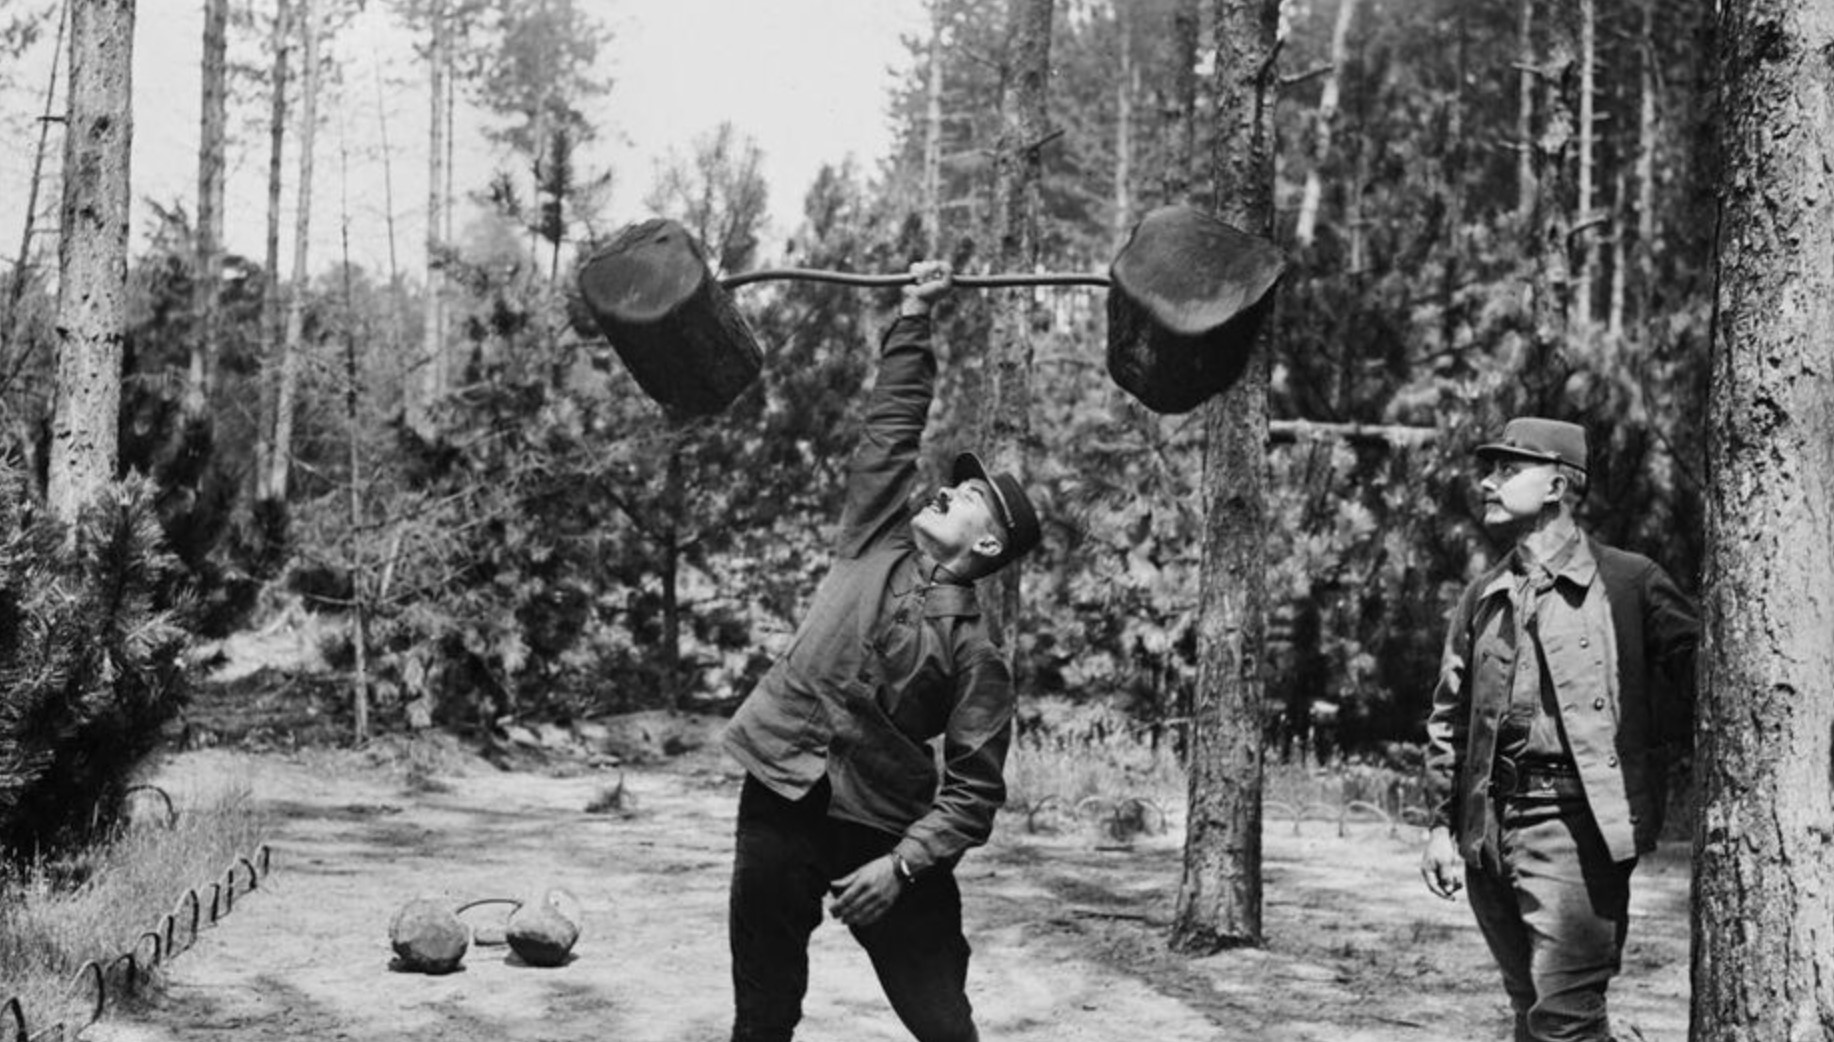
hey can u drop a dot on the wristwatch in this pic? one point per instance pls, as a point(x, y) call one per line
point(903, 869)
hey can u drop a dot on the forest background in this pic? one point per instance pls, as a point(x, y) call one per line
point(466, 470)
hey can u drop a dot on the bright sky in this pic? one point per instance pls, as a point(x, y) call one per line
point(807, 79)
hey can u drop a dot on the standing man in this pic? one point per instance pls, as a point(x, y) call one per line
point(1568, 670)
point(841, 794)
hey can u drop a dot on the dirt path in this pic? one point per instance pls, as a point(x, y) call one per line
point(1068, 938)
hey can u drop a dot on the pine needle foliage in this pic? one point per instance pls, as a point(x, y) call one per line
point(90, 661)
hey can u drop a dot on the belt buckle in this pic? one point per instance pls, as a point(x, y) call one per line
point(1504, 777)
point(1539, 784)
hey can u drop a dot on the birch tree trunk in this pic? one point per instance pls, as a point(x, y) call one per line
point(1620, 255)
point(1306, 230)
point(273, 327)
point(425, 377)
point(1586, 243)
point(1219, 897)
point(1018, 171)
point(1763, 967)
point(287, 389)
point(210, 148)
point(92, 255)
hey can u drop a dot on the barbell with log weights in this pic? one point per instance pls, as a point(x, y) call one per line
point(1186, 295)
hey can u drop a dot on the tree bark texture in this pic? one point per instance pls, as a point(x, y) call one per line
point(1019, 171)
point(1555, 159)
point(210, 151)
point(1764, 765)
point(92, 255)
point(273, 319)
point(1219, 897)
point(286, 388)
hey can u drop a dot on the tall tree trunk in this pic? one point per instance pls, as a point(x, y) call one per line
point(1219, 897)
point(273, 322)
point(1019, 170)
point(359, 576)
point(388, 184)
point(210, 149)
point(1555, 160)
point(1525, 113)
point(1763, 967)
point(1452, 184)
point(1647, 129)
point(1306, 230)
point(674, 498)
point(932, 136)
point(1620, 255)
point(396, 319)
point(1586, 243)
point(1179, 114)
point(16, 288)
point(425, 377)
point(92, 255)
point(292, 345)
point(1126, 83)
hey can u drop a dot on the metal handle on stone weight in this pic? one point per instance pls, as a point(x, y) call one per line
point(843, 278)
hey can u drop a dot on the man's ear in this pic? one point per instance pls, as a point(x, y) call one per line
point(989, 546)
point(1558, 488)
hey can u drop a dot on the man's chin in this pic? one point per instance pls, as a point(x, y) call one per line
point(1501, 523)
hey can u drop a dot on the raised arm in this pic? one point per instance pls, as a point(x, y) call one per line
point(884, 464)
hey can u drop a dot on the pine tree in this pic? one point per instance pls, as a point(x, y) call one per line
point(90, 663)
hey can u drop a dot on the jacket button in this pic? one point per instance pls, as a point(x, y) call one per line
point(1598, 703)
point(1584, 642)
point(1610, 761)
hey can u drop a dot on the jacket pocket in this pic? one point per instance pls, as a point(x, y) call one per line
point(890, 774)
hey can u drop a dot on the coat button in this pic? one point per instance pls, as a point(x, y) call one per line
point(1610, 761)
point(1584, 642)
point(1598, 703)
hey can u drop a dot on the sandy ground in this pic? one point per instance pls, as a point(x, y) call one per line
point(1069, 938)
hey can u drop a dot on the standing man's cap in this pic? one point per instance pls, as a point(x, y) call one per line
point(1011, 503)
point(1531, 437)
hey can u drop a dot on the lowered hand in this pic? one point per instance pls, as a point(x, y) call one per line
point(864, 895)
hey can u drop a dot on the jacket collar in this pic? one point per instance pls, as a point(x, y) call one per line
point(943, 597)
point(1579, 568)
point(947, 599)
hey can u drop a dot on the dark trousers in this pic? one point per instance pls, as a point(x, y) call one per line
point(788, 852)
point(1553, 907)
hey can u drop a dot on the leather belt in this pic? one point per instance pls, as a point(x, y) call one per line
point(1535, 779)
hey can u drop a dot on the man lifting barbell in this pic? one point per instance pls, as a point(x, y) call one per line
point(841, 797)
